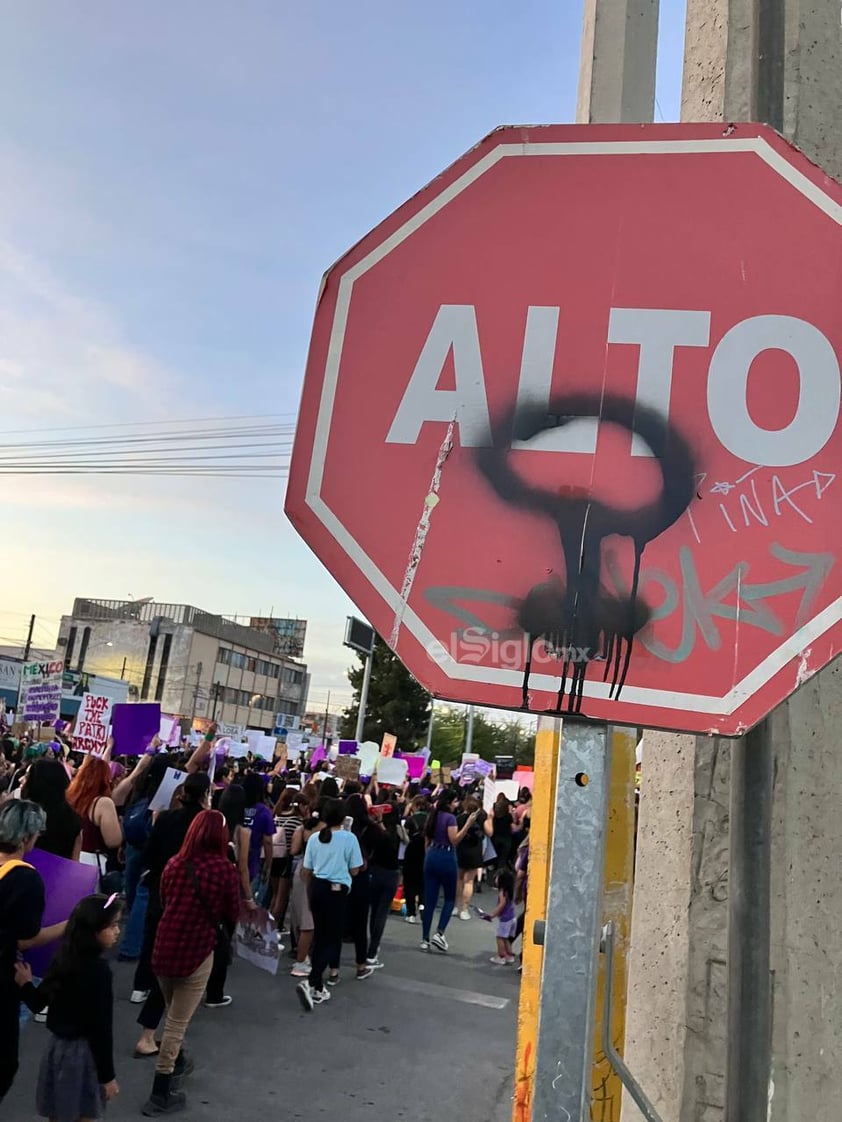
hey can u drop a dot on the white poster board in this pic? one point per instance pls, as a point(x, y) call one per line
point(90, 733)
point(391, 770)
point(368, 754)
point(173, 778)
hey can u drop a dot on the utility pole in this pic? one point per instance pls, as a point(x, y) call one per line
point(196, 687)
point(327, 710)
point(430, 725)
point(469, 734)
point(28, 646)
point(358, 735)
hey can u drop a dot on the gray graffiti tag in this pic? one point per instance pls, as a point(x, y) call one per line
point(701, 609)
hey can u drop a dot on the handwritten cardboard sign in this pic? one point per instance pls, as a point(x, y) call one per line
point(388, 746)
point(92, 721)
point(40, 691)
point(347, 767)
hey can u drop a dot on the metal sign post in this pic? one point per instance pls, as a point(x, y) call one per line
point(564, 1059)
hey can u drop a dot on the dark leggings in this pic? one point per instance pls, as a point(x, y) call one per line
point(10, 1037)
point(144, 978)
point(413, 884)
point(384, 885)
point(328, 908)
point(359, 906)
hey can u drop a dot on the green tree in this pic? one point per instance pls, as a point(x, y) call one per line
point(396, 702)
point(490, 738)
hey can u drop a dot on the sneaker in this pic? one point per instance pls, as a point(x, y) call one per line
point(321, 996)
point(219, 1004)
point(334, 979)
point(301, 969)
point(464, 914)
point(41, 1017)
point(410, 919)
point(426, 945)
point(139, 996)
point(305, 996)
point(366, 972)
point(375, 963)
point(496, 960)
point(439, 941)
point(510, 960)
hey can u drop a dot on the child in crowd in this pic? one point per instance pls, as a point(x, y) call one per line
point(504, 913)
point(77, 1078)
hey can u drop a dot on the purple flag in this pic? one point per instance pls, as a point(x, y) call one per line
point(134, 727)
point(65, 884)
point(415, 765)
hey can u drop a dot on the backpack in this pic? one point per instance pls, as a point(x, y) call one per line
point(137, 823)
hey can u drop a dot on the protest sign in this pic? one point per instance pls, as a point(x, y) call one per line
point(238, 749)
point(267, 747)
point(173, 778)
point(65, 884)
point(391, 771)
point(236, 732)
point(256, 940)
point(415, 766)
point(368, 753)
point(446, 776)
point(318, 755)
point(525, 779)
point(40, 692)
point(388, 746)
point(134, 727)
point(347, 767)
point(255, 739)
point(469, 771)
point(170, 731)
point(347, 747)
point(92, 721)
point(506, 787)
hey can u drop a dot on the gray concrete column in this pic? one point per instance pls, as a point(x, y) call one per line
point(617, 72)
point(675, 1040)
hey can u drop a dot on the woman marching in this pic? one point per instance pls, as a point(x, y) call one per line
point(77, 1076)
point(200, 895)
point(332, 859)
point(440, 869)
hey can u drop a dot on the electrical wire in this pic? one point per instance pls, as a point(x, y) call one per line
point(206, 449)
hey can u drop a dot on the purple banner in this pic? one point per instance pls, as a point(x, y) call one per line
point(134, 727)
point(347, 747)
point(65, 884)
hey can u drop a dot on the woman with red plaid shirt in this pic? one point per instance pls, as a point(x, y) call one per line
point(200, 890)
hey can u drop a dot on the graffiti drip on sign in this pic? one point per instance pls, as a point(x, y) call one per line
point(579, 613)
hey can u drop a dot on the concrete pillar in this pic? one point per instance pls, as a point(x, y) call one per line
point(617, 72)
point(675, 1040)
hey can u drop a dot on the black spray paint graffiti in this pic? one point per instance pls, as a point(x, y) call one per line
point(579, 614)
point(732, 598)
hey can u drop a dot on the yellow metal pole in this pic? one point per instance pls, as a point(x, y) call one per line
point(619, 868)
point(547, 742)
point(616, 906)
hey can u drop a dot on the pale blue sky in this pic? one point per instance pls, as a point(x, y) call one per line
point(176, 178)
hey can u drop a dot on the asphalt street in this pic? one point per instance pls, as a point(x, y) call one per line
point(429, 1037)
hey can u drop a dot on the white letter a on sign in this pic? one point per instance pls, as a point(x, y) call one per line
point(454, 328)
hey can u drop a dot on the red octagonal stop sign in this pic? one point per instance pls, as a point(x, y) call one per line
point(570, 427)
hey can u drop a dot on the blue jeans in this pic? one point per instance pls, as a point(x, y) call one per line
point(133, 933)
point(134, 867)
point(439, 875)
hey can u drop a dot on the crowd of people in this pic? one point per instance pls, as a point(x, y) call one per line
point(327, 859)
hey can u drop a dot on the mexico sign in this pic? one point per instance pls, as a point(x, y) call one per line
point(570, 431)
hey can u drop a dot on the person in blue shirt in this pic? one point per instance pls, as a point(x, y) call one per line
point(332, 858)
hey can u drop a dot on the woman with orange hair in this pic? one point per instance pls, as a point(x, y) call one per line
point(102, 835)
